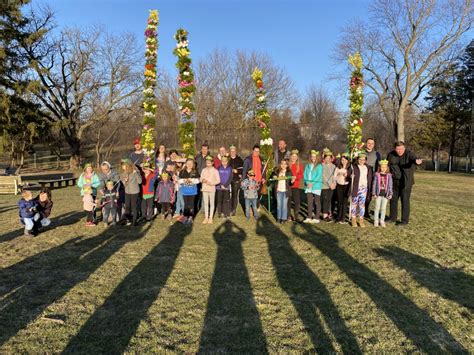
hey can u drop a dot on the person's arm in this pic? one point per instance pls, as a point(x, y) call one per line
point(80, 181)
point(95, 181)
point(216, 178)
point(319, 174)
point(394, 166)
point(374, 184)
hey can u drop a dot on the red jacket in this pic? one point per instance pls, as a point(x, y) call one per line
point(298, 184)
point(148, 184)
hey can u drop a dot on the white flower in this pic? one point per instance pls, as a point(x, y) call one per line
point(354, 122)
point(267, 141)
point(185, 73)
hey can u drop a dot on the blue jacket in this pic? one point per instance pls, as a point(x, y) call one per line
point(313, 176)
point(226, 177)
point(26, 208)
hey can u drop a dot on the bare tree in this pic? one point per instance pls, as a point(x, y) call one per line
point(85, 75)
point(405, 45)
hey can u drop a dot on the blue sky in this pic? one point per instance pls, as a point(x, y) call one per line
point(298, 35)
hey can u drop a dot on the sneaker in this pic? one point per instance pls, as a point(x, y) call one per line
point(343, 222)
point(128, 223)
point(307, 220)
point(315, 221)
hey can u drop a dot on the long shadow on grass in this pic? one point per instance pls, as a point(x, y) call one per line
point(113, 324)
point(30, 286)
point(61, 220)
point(232, 323)
point(7, 208)
point(307, 292)
point(415, 323)
point(451, 284)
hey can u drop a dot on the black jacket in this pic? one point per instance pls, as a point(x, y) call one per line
point(402, 168)
point(238, 164)
point(355, 174)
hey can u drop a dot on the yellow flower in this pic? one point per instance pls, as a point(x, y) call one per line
point(355, 60)
point(257, 74)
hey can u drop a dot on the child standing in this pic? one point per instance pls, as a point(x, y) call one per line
point(131, 180)
point(88, 179)
point(297, 170)
point(165, 195)
point(382, 191)
point(283, 179)
point(250, 187)
point(223, 189)
point(188, 180)
point(209, 179)
point(329, 184)
point(28, 211)
point(88, 201)
point(361, 176)
point(313, 179)
point(109, 201)
point(342, 176)
point(148, 192)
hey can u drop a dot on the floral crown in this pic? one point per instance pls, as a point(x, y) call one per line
point(314, 152)
point(209, 158)
point(295, 151)
point(383, 162)
point(164, 174)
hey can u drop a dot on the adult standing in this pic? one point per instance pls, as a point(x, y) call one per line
point(218, 157)
point(137, 156)
point(373, 158)
point(161, 159)
point(237, 164)
point(402, 164)
point(281, 153)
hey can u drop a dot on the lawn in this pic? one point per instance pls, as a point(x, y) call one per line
point(239, 286)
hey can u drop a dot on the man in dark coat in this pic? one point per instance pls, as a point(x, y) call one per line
point(237, 165)
point(402, 164)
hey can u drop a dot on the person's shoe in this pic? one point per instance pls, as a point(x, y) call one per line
point(382, 224)
point(402, 224)
point(342, 222)
point(27, 232)
point(128, 223)
point(209, 221)
point(354, 222)
point(307, 220)
point(376, 223)
point(206, 221)
point(315, 221)
point(361, 222)
point(388, 221)
point(232, 213)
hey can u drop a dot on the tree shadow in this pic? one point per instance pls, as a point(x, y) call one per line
point(30, 286)
point(232, 323)
point(61, 220)
point(307, 293)
point(451, 284)
point(415, 323)
point(113, 324)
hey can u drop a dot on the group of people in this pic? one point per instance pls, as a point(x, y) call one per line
point(335, 187)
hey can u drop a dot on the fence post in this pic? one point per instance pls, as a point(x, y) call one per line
point(34, 161)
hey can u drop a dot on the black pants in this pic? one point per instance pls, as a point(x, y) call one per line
point(109, 211)
point(404, 194)
point(234, 197)
point(326, 197)
point(223, 202)
point(166, 208)
point(131, 207)
point(189, 205)
point(90, 216)
point(147, 208)
point(314, 202)
point(342, 193)
point(294, 197)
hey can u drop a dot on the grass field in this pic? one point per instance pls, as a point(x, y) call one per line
point(241, 286)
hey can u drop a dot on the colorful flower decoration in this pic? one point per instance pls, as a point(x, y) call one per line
point(186, 88)
point(356, 99)
point(149, 101)
point(263, 121)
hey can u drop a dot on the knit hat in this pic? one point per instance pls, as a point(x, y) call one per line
point(136, 141)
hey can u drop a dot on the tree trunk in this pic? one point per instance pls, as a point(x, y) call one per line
point(451, 147)
point(400, 124)
point(75, 148)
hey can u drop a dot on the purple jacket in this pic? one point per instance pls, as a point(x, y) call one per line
point(388, 188)
point(226, 177)
point(27, 208)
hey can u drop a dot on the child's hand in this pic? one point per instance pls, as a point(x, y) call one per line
point(310, 186)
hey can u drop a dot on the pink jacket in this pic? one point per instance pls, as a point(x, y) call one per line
point(212, 176)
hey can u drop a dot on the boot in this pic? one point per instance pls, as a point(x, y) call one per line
point(354, 222)
point(361, 222)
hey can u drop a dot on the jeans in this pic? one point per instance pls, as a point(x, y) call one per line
point(342, 192)
point(251, 203)
point(314, 202)
point(30, 222)
point(208, 199)
point(358, 203)
point(380, 207)
point(109, 211)
point(326, 198)
point(179, 207)
point(282, 206)
point(223, 202)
